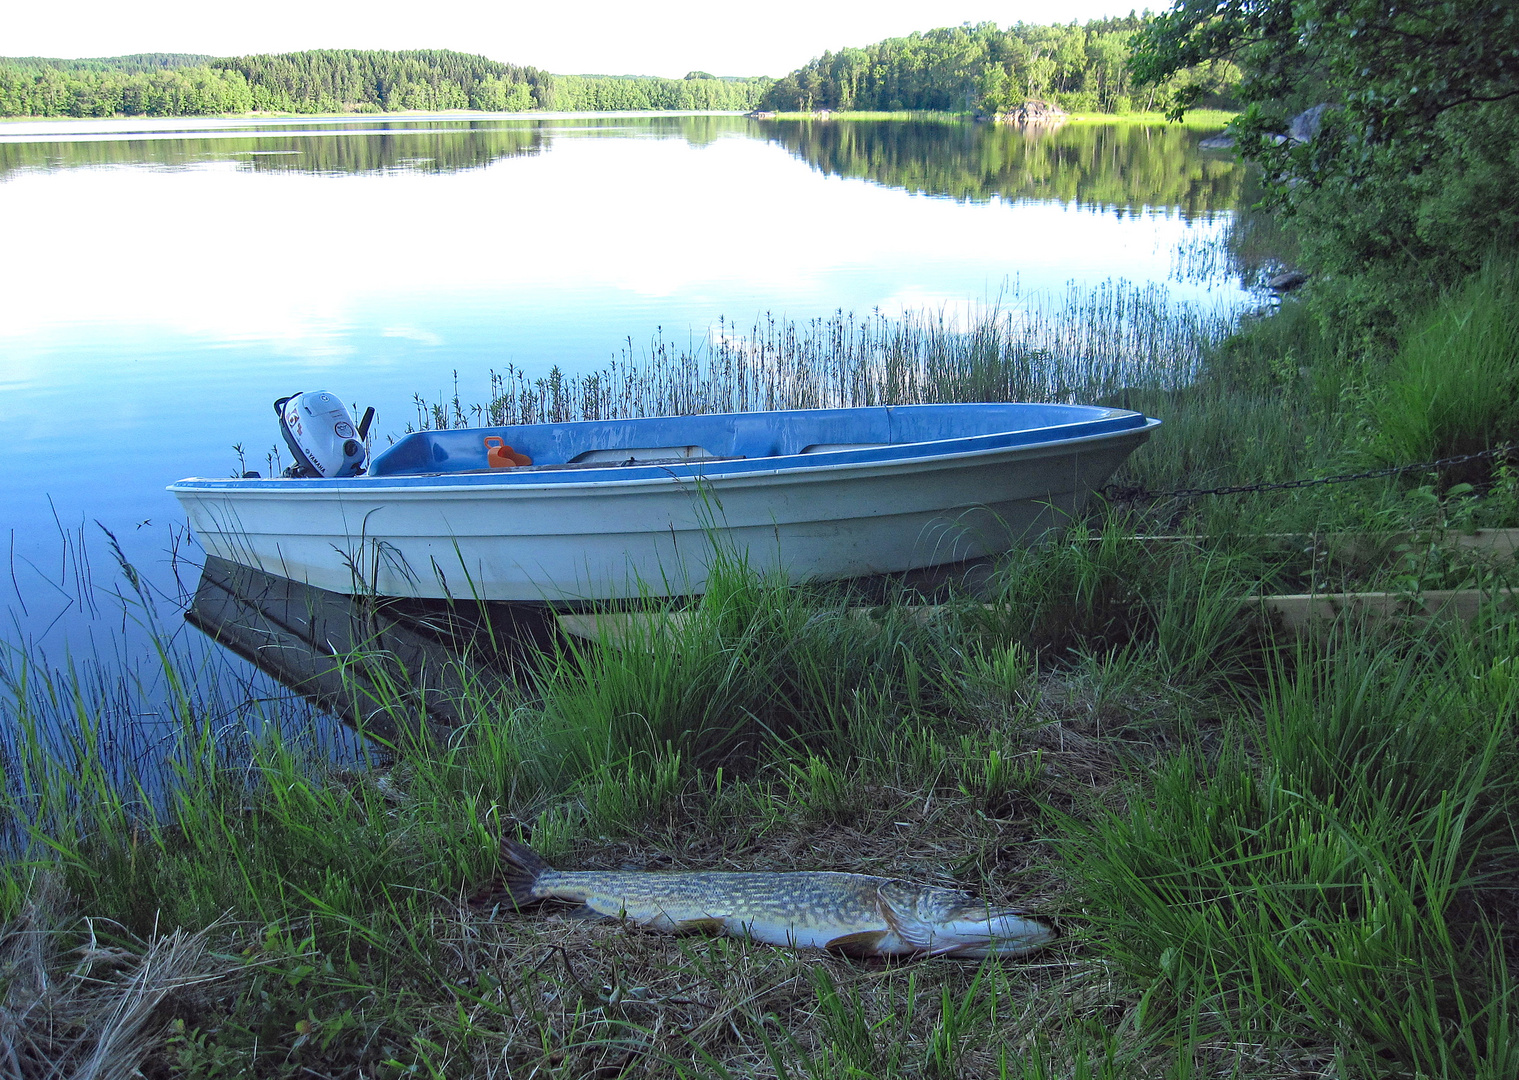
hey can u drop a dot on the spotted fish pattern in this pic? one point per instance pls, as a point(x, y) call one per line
point(854, 914)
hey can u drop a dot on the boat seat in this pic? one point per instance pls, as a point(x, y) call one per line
point(833, 447)
point(643, 455)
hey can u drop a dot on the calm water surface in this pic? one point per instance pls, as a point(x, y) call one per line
point(165, 281)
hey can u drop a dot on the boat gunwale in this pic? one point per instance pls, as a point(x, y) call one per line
point(805, 466)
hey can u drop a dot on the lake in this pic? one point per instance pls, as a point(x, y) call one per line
point(165, 281)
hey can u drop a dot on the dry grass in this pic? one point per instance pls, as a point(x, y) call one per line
point(93, 1010)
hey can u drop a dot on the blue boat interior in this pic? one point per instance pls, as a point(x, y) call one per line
point(729, 436)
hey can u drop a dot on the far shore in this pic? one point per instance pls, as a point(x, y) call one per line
point(409, 114)
point(1200, 118)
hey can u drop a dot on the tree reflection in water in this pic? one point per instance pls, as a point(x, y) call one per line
point(1122, 166)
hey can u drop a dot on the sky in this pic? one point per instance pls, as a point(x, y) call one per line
point(617, 37)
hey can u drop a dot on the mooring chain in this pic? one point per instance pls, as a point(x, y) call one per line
point(1115, 493)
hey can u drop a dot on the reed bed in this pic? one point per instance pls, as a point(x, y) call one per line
point(1082, 345)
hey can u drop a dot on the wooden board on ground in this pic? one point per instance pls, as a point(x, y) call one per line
point(621, 629)
point(1499, 543)
point(1299, 612)
point(1295, 613)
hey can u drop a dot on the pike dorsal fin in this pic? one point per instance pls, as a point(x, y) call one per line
point(859, 946)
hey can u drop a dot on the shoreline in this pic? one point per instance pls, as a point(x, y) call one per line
point(417, 114)
point(1196, 118)
point(1201, 118)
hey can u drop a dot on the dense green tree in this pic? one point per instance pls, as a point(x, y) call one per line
point(132, 62)
point(986, 69)
point(338, 80)
point(1413, 176)
point(164, 91)
point(611, 92)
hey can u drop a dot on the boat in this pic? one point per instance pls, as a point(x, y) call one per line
point(599, 510)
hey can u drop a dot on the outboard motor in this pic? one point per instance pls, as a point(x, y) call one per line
point(321, 435)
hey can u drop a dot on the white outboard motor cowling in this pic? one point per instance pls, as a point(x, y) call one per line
point(321, 435)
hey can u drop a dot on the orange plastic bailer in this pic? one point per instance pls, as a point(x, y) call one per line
point(500, 456)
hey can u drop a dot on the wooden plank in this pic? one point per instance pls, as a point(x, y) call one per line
point(619, 629)
point(1293, 612)
point(622, 629)
point(1301, 611)
point(1500, 543)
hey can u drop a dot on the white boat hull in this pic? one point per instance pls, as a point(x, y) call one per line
point(660, 536)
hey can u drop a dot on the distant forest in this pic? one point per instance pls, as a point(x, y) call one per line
point(979, 69)
point(134, 62)
point(982, 69)
point(336, 81)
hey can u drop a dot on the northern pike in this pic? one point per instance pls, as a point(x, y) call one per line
point(854, 914)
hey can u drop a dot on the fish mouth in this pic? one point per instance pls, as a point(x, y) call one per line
point(1011, 947)
point(1051, 926)
point(979, 934)
point(1012, 922)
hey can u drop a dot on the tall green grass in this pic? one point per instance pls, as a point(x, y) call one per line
point(1340, 870)
point(1453, 387)
point(1333, 834)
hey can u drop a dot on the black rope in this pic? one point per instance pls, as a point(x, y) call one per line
point(1116, 493)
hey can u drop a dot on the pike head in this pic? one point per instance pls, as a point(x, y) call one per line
point(943, 922)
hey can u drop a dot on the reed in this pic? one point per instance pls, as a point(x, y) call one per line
point(1081, 345)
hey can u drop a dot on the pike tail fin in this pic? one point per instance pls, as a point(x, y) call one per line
point(520, 869)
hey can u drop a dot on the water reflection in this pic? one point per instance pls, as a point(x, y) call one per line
point(1130, 166)
point(374, 663)
point(431, 146)
point(1109, 165)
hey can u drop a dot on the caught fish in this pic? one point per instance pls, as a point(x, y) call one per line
point(854, 914)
